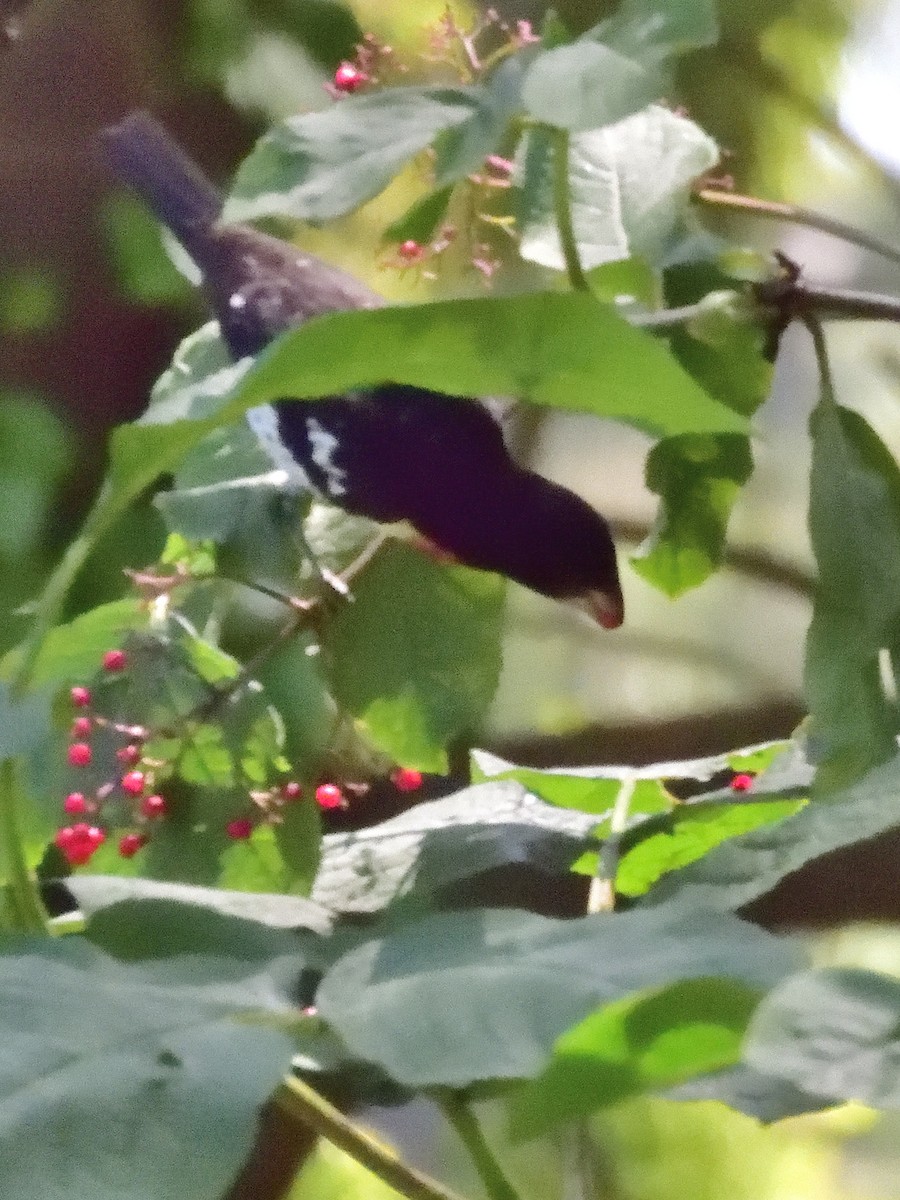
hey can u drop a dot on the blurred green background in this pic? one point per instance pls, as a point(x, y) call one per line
point(802, 95)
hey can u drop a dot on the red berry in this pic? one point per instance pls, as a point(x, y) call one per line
point(410, 250)
point(348, 78)
point(329, 795)
point(79, 754)
point(742, 783)
point(81, 727)
point(239, 830)
point(81, 696)
point(153, 806)
point(115, 660)
point(405, 779)
point(132, 783)
point(75, 803)
point(78, 842)
point(292, 790)
point(130, 843)
point(129, 755)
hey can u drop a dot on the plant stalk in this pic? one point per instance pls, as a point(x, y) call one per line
point(464, 1121)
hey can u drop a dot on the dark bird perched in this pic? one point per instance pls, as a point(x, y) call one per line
point(392, 452)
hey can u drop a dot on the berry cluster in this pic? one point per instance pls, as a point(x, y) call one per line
point(129, 794)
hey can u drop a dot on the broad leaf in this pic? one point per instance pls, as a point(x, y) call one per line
point(434, 845)
point(649, 30)
point(854, 521)
point(585, 86)
point(698, 480)
point(462, 149)
point(748, 866)
point(633, 1046)
point(96, 1051)
point(833, 1032)
point(325, 164)
point(459, 997)
point(72, 653)
point(413, 692)
point(764, 1097)
point(629, 187)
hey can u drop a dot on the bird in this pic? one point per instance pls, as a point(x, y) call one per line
point(390, 452)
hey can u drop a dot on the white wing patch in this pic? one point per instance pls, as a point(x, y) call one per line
point(323, 446)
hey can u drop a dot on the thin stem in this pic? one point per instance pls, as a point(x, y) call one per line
point(838, 304)
point(817, 334)
point(793, 214)
point(562, 204)
point(602, 893)
point(303, 1104)
point(24, 912)
point(464, 1121)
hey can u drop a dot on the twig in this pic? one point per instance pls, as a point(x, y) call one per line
point(602, 893)
point(460, 1116)
point(562, 205)
point(304, 1105)
point(793, 214)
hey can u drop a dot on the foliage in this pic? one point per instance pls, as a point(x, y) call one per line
point(218, 941)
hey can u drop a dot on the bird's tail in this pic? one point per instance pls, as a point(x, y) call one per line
point(148, 159)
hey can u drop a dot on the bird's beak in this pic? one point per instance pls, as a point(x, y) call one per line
point(606, 608)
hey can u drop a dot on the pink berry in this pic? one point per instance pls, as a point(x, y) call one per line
point(292, 790)
point(348, 78)
point(153, 806)
point(81, 727)
point(239, 830)
point(75, 803)
point(329, 795)
point(410, 250)
point(115, 660)
point(742, 783)
point(129, 755)
point(405, 779)
point(79, 754)
point(78, 842)
point(130, 843)
point(133, 783)
point(80, 696)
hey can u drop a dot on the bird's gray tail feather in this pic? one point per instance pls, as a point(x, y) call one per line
point(143, 154)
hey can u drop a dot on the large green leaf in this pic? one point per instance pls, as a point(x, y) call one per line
point(414, 692)
point(854, 518)
point(698, 480)
point(585, 86)
point(72, 653)
point(748, 866)
point(834, 1032)
point(325, 164)
point(132, 1081)
point(636, 1045)
point(630, 188)
point(469, 996)
point(649, 30)
point(462, 149)
point(434, 845)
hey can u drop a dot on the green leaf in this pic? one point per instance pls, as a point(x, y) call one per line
point(462, 149)
point(586, 86)
point(689, 832)
point(564, 350)
point(95, 893)
point(649, 30)
point(763, 1097)
point(24, 722)
point(746, 867)
point(422, 219)
point(459, 997)
point(412, 692)
point(854, 518)
point(587, 789)
point(698, 480)
point(833, 1032)
point(144, 270)
point(636, 1045)
point(434, 845)
point(72, 653)
point(325, 164)
point(630, 188)
point(133, 1082)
